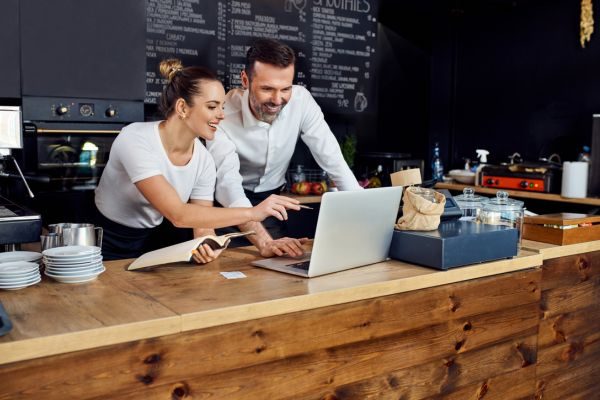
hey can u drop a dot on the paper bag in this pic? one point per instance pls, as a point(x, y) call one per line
point(419, 213)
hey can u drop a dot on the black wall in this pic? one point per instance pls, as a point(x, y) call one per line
point(508, 76)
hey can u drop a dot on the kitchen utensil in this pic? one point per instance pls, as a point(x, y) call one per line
point(51, 240)
point(78, 234)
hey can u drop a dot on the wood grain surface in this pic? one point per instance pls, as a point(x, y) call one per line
point(310, 354)
point(569, 333)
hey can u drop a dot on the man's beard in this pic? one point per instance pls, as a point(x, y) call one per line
point(261, 109)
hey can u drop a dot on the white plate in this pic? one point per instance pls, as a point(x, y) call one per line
point(74, 267)
point(78, 272)
point(462, 176)
point(16, 267)
point(21, 285)
point(75, 279)
point(71, 251)
point(19, 256)
point(21, 278)
point(75, 261)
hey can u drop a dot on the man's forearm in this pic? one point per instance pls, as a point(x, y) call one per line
point(261, 237)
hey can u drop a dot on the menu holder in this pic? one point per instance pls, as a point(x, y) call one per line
point(562, 228)
point(182, 252)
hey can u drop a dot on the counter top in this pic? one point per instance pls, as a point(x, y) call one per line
point(121, 306)
point(549, 251)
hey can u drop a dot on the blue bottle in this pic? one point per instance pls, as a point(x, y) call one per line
point(437, 167)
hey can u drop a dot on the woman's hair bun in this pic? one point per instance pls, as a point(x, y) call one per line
point(170, 67)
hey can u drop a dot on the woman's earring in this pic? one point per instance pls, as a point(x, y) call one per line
point(182, 116)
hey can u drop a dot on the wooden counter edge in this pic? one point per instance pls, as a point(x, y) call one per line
point(549, 251)
point(28, 349)
point(228, 315)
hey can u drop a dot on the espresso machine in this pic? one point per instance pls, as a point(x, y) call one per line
point(17, 224)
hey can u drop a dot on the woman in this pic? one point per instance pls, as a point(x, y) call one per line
point(160, 169)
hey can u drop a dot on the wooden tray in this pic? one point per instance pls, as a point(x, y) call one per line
point(537, 228)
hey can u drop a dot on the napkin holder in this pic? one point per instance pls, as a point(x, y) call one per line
point(562, 228)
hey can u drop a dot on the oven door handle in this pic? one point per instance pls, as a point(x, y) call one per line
point(83, 131)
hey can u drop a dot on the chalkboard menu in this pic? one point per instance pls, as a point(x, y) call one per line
point(335, 43)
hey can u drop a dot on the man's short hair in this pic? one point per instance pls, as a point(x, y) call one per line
point(269, 51)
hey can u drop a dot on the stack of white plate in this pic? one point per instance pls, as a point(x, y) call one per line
point(29, 256)
point(73, 264)
point(19, 274)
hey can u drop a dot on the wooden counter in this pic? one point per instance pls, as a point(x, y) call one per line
point(186, 332)
point(591, 201)
point(122, 306)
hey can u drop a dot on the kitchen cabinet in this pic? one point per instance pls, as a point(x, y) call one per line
point(10, 75)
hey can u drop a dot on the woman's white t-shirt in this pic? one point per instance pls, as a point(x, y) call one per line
point(136, 154)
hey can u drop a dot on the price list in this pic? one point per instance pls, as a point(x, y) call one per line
point(334, 40)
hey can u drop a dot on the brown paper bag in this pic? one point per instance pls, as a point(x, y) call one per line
point(420, 213)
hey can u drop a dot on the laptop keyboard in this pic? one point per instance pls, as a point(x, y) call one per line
point(300, 265)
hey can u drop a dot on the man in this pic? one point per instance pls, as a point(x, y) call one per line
point(255, 142)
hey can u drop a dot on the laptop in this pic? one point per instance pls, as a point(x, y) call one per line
point(353, 229)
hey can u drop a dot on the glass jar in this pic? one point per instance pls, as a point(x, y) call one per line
point(470, 204)
point(427, 194)
point(503, 211)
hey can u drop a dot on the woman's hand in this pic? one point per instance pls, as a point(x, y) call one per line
point(204, 254)
point(274, 206)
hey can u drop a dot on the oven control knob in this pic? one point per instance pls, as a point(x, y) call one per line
point(110, 112)
point(61, 110)
point(490, 181)
point(524, 184)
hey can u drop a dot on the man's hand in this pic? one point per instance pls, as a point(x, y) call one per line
point(285, 246)
point(205, 254)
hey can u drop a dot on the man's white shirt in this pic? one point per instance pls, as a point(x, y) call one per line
point(255, 155)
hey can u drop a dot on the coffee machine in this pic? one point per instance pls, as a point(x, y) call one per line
point(17, 224)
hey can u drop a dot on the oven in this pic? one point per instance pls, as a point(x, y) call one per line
point(67, 140)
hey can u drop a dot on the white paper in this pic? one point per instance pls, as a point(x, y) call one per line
point(233, 274)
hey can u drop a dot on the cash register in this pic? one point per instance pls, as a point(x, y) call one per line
point(17, 224)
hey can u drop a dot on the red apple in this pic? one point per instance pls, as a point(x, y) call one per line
point(317, 188)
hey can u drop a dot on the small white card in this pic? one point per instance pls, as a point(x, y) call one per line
point(233, 275)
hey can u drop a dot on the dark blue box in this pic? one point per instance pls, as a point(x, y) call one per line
point(454, 244)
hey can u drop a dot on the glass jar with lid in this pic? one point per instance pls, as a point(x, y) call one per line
point(503, 211)
point(470, 204)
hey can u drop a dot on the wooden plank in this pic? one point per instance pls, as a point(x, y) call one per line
point(569, 382)
point(317, 373)
point(571, 270)
point(514, 385)
point(575, 352)
point(568, 299)
point(549, 251)
point(565, 327)
point(459, 310)
point(480, 371)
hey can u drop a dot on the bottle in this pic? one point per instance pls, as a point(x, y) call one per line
point(437, 167)
point(298, 175)
point(585, 154)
